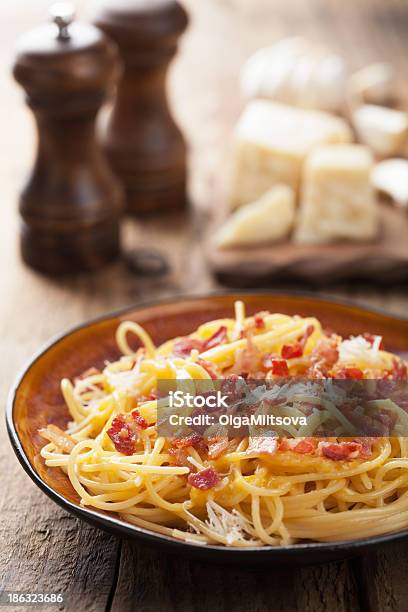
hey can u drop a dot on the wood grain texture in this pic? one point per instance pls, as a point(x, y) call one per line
point(181, 586)
point(42, 547)
point(382, 261)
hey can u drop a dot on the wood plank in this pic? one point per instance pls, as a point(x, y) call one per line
point(382, 579)
point(150, 580)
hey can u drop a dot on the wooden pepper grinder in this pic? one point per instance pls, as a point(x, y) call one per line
point(142, 142)
point(71, 205)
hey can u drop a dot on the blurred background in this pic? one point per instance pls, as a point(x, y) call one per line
point(203, 82)
point(203, 89)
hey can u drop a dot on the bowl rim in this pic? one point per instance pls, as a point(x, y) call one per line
point(113, 524)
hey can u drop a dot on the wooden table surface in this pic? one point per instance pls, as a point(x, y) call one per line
point(42, 547)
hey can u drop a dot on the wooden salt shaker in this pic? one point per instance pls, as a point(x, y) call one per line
point(142, 142)
point(71, 205)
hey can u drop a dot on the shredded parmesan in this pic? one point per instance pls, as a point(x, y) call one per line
point(359, 349)
point(230, 525)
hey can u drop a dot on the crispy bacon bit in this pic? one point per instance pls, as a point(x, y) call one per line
point(139, 420)
point(194, 440)
point(180, 457)
point(353, 373)
point(279, 367)
point(204, 479)
point(217, 446)
point(122, 436)
point(184, 346)
point(371, 339)
point(307, 333)
point(283, 445)
point(305, 447)
point(217, 338)
point(399, 370)
point(323, 357)
point(366, 446)
point(291, 351)
point(259, 321)
point(341, 451)
point(57, 436)
point(262, 445)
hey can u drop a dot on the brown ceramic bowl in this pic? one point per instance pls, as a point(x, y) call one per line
point(35, 400)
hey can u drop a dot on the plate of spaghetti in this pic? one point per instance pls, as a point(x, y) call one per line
point(84, 421)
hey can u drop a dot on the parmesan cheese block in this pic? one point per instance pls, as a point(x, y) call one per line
point(338, 201)
point(266, 220)
point(374, 84)
point(298, 72)
point(385, 130)
point(272, 142)
point(390, 176)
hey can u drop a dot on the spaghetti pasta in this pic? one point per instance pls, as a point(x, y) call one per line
point(293, 487)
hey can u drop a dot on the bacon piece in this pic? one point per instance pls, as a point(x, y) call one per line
point(204, 479)
point(217, 446)
point(194, 440)
point(184, 346)
point(306, 335)
point(323, 357)
point(262, 445)
point(291, 351)
point(57, 436)
point(305, 447)
point(371, 339)
point(122, 436)
point(139, 420)
point(180, 457)
point(306, 407)
point(283, 445)
point(341, 451)
point(353, 373)
point(259, 321)
point(280, 367)
point(399, 370)
point(366, 446)
point(217, 338)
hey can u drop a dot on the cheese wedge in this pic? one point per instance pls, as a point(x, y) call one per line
point(266, 220)
point(390, 176)
point(337, 201)
point(385, 130)
point(271, 143)
point(296, 71)
point(373, 84)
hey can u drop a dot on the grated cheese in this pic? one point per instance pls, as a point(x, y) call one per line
point(359, 349)
point(230, 525)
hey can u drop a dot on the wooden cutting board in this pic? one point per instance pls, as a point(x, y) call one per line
point(382, 261)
